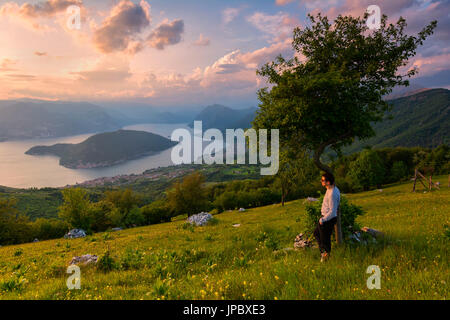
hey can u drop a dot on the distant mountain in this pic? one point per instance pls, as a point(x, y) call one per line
point(135, 113)
point(422, 119)
point(106, 149)
point(401, 92)
point(222, 117)
point(41, 119)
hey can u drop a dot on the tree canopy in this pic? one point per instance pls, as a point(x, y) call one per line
point(332, 91)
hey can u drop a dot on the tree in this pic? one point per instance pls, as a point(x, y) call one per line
point(335, 92)
point(295, 169)
point(189, 196)
point(124, 201)
point(76, 208)
point(14, 227)
point(367, 170)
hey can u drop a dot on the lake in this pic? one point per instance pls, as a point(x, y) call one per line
point(19, 170)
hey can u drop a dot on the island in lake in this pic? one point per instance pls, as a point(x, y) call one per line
point(106, 149)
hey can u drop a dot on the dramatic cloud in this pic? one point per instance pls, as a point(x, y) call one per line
point(167, 33)
point(202, 41)
point(120, 31)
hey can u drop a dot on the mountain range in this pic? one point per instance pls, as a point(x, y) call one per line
point(221, 117)
point(38, 119)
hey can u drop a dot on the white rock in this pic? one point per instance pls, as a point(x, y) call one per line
point(84, 260)
point(200, 219)
point(241, 210)
point(75, 233)
point(299, 242)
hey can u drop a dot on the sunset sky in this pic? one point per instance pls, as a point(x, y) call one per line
point(177, 52)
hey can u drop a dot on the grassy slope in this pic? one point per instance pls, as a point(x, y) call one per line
point(220, 261)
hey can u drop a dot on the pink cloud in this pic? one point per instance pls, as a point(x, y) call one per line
point(202, 41)
point(167, 33)
point(121, 29)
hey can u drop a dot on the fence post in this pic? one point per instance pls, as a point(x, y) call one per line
point(338, 227)
point(415, 179)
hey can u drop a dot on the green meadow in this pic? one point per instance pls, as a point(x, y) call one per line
point(221, 261)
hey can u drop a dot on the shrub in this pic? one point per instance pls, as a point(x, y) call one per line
point(106, 263)
point(44, 229)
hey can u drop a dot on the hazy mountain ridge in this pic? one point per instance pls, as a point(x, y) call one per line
point(105, 149)
point(221, 117)
point(27, 119)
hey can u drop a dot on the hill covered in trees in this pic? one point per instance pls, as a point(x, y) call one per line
point(422, 119)
point(105, 149)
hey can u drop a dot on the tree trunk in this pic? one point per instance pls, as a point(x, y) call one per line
point(317, 161)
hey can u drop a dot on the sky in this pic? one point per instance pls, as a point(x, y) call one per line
point(177, 52)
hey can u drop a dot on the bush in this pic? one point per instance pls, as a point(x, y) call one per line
point(106, 263)
point(349, 213)
point(45, 229)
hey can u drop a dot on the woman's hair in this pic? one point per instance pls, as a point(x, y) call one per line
point(329, 177)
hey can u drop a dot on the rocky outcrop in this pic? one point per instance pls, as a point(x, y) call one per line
point(84, 260)
point(200, 219)
point(75, 233)
point(299, 242)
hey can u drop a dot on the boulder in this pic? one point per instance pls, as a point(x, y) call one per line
point(116, 229)
point(374, 233)
point(241, 210)
point(84, 260)
point(310, 199)
point(237, 225)
point(36, 240)
point(75, 233)
point(299, 242)
point(200, 219)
